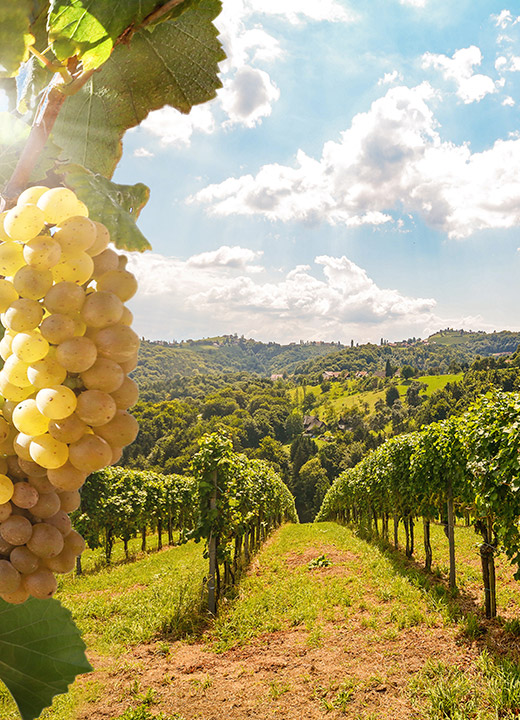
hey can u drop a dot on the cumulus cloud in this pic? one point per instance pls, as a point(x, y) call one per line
point(174, 128)
point(391, 160)
point(232, 257)
point(508, 64)
point(471, 87)
point(212, 294)
point(390, 78)
point(414, 3)
point(248, 96)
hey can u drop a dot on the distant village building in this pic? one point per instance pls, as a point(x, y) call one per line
point(276, 377)
point(312, 425)
point(330, 375)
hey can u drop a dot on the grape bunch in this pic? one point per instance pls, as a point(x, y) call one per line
point(67, 349)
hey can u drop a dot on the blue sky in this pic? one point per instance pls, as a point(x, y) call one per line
point(357, 177)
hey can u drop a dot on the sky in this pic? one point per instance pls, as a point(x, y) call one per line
point(356, 178)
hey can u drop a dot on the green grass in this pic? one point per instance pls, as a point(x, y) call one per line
point(130, 603)
point(433, 383)
point(274, 599)
point(341, 396)
point(367, 585)
point(489, 690)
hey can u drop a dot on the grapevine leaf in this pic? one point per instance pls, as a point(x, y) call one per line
point(90, 28)
point(33, 77)
point(116, 206)
point(15, 35)
point(175, 63)
point(41, 652)
point(13, 135)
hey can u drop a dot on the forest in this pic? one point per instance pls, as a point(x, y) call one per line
point(264, 418)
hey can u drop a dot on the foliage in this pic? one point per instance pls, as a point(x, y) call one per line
point(37, 662)
point(473, 458)
point(119, 503)
point(83, 71)
point(240, 501)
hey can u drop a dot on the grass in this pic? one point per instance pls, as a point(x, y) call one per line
point(341, 396)
point(316, 579)
point(155, 596)
point(489, 691)
point(274, 599)
point(159, 594)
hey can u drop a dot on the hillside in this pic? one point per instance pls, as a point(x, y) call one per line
point(443, 352)
point(429, 357)
point(161, 361)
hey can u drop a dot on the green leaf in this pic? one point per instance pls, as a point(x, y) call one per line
point(34, 75)
point(90, 28)
point(13, 135)
point(15, 35)
point(41, 652)
point(117, 206)
point(174, 64)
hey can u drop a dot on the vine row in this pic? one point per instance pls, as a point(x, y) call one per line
point(466, 467)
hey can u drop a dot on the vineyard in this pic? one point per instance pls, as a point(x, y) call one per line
point(464, 467)
point(232, 504)
point(158, 559)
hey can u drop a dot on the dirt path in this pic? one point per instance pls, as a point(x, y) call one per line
point(279, 676)
point(347, 671)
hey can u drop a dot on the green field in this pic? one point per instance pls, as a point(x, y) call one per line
point(325, 624)
point(341, 395)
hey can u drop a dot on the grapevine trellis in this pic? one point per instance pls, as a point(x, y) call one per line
point(240, 501)
point(467, 466)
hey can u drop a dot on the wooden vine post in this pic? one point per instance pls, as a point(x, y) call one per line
point(212, 548)
point(451, 535)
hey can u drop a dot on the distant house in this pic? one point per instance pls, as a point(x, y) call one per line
point(330, 375)
point(276, 377)
point(312, 425)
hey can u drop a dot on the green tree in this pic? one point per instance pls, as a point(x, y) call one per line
point(407, 372)
point(392, 394)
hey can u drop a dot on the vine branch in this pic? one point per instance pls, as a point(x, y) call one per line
point(44, 120)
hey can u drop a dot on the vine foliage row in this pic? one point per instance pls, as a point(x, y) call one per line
point(240, 502)
point(466, 467)
point(118, 504)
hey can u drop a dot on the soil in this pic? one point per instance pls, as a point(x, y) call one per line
point(349, 671)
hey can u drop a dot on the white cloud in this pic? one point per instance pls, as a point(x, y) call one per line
point(248, 96)
point(390, 78)
point(211, 297)
point(508, 101)
point(414, 3)
point(172, 127)
point(470, 87)
point(391, 159)
point(232, 257)
point(504, 19)
point(296, 11)
point(142, 152)
point(509, 64)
